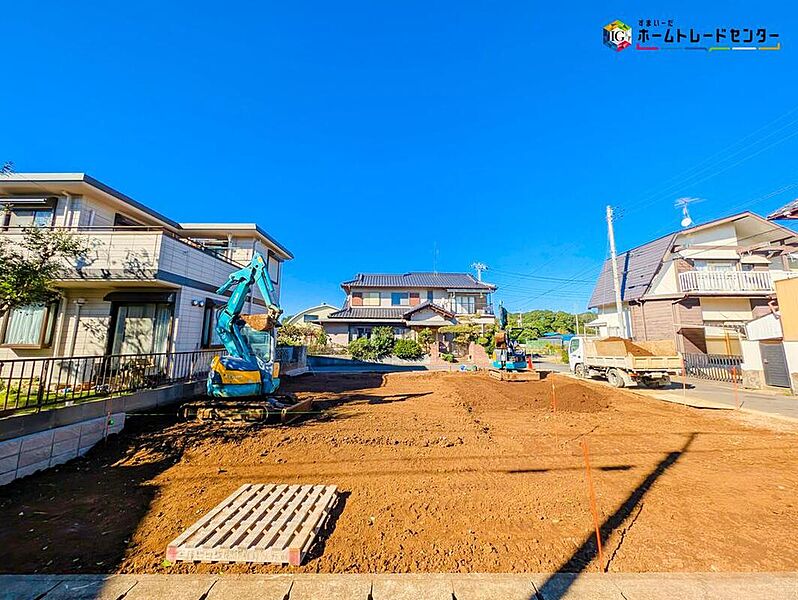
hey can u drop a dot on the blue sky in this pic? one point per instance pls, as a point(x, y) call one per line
point(366, 135)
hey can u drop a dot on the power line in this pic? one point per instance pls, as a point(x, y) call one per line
point(685, 177)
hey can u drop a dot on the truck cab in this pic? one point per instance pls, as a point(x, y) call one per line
point(576, 353)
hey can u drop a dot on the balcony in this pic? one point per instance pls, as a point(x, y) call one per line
point(141, 254)
point(726, 281)
point(484, 310)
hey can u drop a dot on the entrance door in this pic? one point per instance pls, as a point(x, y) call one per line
point(774, 363)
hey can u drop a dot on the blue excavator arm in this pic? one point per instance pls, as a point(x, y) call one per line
point(243, 372)
point(228, 324)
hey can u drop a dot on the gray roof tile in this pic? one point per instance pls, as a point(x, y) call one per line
point(636, 268)
point(422, 280)
point(369, 313)
point(431, 305)
point(788, 211)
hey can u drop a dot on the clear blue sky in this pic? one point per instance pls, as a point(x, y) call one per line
point(363, 135)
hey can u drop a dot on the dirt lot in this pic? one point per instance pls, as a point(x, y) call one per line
point(440, 472)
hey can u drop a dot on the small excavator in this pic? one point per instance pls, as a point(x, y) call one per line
point(510, 361)
point(243, 383)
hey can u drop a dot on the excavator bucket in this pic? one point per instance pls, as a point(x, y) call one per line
point(295, 411)
point(525, 375)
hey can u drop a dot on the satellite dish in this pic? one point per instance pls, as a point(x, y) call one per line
point(686, 222)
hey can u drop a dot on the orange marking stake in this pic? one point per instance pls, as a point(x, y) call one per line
point(736, 396)
point(553, 398)
point(554, 410)
point(593, 508)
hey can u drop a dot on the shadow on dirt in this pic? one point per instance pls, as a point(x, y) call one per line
point(558, 584)
point(317, 549)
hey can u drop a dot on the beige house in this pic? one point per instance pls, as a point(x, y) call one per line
point(700, 285)
point(408, 303)
point(312, 315)
point(147, 284)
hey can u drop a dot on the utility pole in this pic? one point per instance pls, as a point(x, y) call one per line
point(615, 278)
point(576, 316)
point(479, 268)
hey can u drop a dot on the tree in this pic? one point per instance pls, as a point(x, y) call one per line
point(425, 337)
point(381, 342)
point(30, 268)
point(536, 323)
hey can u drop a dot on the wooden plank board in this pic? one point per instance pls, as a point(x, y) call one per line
point(258, 523)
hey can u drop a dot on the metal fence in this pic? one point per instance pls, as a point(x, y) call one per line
point(31, 384)
point(717, 367)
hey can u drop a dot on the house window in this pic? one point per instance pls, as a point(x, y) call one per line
point(355, 333)
point(30, 326)
point(465, 305)
point(371, 298)
point(715, 265)
point(400, 299)
point(142, 328)
point(310, 318)
point(121, 220)
point(31, 217)
point(273, 266)
point(429, 295)
point(210, 337)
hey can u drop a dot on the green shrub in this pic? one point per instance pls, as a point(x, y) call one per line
point(381, 342)
point(407, 349)
point(448, 357)
point(360, 349)
point(564, 355)
point(426, 337)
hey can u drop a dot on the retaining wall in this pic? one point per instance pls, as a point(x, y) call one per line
point(36, 441)
point(27, 454)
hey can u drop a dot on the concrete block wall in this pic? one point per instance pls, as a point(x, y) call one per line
point(34, 452)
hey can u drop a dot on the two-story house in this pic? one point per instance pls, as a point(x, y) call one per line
point(699, 285)
point(147, 283)
point(408, 302)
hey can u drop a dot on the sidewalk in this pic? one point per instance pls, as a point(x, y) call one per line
point(430, 586)
point(713, 394)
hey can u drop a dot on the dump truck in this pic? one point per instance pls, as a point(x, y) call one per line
point(623, 362)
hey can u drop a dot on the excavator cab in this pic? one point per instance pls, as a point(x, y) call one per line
point(256, 375)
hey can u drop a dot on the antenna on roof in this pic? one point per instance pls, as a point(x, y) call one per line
point(435, 256)
point(479, 268)
point(682, 203)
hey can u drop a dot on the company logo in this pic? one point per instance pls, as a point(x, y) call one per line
point(617, 35)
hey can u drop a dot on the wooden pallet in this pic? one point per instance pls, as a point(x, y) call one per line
point(258, 523)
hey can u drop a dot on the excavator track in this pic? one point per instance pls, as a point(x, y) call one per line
point(278, 409)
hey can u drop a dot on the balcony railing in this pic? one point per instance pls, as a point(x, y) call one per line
point(462, 309)
point(726, 281)
point(118, 231)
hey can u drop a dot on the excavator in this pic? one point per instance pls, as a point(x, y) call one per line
point(245, 381)
point(510, 361)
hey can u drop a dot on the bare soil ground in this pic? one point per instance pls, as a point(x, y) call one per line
point(439, 472)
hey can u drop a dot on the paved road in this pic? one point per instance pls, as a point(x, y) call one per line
point(432, 586)
point(712, 394)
